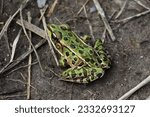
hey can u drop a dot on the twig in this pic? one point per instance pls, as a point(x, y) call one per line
point(30, 41)
point(122, 9)
point(22, 57)
point(50, 45)
point(102, 14)
point(105, 30)
point(43, 12)
point(141, 4)
point(132, 17)
point(90, 26)
point(15, 45)
point(29, 62)
point(82, 7)
point(129, 93)
point(13, 51)
point(32, 28)
point(21, 67)
point(11, 18)
point(7, 23)
point(52, 8)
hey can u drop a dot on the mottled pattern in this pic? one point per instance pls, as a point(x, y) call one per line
point(86, 63)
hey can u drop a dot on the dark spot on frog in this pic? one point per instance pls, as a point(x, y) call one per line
point(75, 59)
point(96, 64)
point(104, 58)
point(90, 51)
point(87, 59)
point(73, 62)
point(92, 61)
point(99, 75)
point(80, 74)
point(85, 72)
point(81, 47)
point(70, 34)
point(73, 54)
point(66, 38)
point(77, 40)
point(72, 46)
point(73, 74)
point(81, 52)
point(65, 61)
point(67, 53)
point(99, 60)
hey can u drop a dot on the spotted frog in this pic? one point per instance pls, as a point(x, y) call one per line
point(86, 63)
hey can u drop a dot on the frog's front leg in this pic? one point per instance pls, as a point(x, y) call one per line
point(82, 74)
point(85, 38)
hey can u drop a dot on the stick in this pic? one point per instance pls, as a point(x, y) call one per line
point(122, 9)
point(90, 26)
point(102, 14)
point(29, 62)
point(32, 28)
point(129, 93)
point(82, 7)
point(22, 57)
point(132, 17)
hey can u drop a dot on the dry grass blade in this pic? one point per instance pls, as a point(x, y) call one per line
point(122, 9)
point(82, 7)
point(22, 57)
point(129, 93)
point(50, 45)
point(102, 14)
point(43, 12)
point(32, 28)
point(132, 17)
point(29, 62)
point(13, 52)
point(21, 67)
point(7, 23)
point(90, 26)
point(52, 8)
point(11, 18)
point(141, 4)
point(30, 41)
point(15, 45)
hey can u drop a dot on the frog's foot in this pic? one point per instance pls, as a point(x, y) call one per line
point(82, 75)
point(86, 38)
point(102, 55)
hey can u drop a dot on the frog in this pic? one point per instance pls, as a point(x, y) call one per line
point(85, 63)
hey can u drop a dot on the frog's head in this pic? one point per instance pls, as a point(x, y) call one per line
point(56, 33)
point(58, 30)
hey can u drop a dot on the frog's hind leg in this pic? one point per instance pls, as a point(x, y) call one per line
point(82, 74)
point(102, 55)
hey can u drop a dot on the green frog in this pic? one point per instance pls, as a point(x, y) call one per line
point(86, 63)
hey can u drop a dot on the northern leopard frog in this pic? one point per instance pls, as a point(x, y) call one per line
point(86, 63)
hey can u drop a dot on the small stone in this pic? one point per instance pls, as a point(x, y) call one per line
point(41, 3)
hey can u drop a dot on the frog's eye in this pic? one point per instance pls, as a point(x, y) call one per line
point(65, 27)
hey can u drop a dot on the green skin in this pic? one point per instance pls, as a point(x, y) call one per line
point(86, 63)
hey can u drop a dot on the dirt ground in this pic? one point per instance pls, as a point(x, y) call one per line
point(130, 54)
